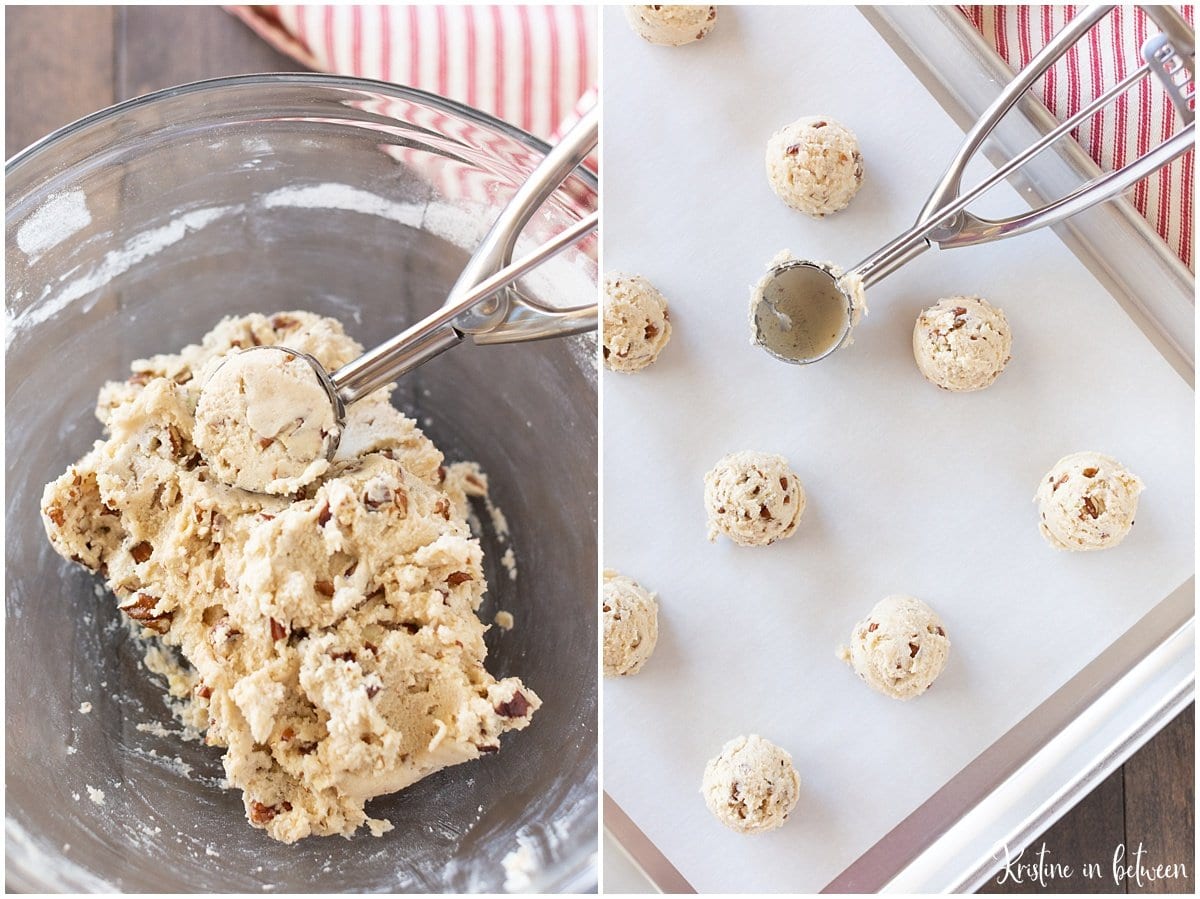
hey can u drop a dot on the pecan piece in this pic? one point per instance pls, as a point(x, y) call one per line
point(517, 707)
point(278, 631)
point(140, 607)
point(457, 577)
point(262, 814)
point(325, 588)
point(141, 552)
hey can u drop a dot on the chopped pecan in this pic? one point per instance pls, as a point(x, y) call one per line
point(55, 514)
point(764, 512)
point(377, 496)
point(517, 707)
point(142, 551)
point(651, 332)
point(324, 515)
point(263, 814)
point(325, 588)
point(140, 607)
point(1090, 508)
point(874, 626)
point(913, 648)
point(278, 631)
point(457, 577)
point(265, 442)
point(1090, 472)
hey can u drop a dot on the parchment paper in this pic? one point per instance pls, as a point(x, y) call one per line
point(910, 489)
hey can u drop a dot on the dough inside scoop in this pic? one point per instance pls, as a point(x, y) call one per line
point(265, 422)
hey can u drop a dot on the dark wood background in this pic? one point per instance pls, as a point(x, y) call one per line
point(64, 62)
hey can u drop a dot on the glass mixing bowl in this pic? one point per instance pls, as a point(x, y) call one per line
point(132, 232)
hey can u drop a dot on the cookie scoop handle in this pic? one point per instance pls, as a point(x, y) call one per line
point(437, 333)
point(945, 221)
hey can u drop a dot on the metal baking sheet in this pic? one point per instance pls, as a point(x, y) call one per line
point(1062, 664)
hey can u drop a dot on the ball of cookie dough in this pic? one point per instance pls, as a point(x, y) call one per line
point(1087, 501)
point(751, 787)
point(630, 625)
point(753, 499)
point(814, 165)
point(671, 26)
point(962, 343)
point(900, 648)
point(637, 324)
point(264, 421)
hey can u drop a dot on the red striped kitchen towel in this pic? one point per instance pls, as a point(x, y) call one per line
point(533, 66)
point(1137, 121)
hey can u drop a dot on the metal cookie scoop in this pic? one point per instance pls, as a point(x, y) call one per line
point(821, 301)
point(483, 304)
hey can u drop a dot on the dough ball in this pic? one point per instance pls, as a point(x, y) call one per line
point(962, 343)
point(637, 324)
point(264, 421)
point(671, 26)
point(751, 787)
point(1087, 501)
point(814, 165)
point(630, 625)
point(900, 648)
point(753, 499)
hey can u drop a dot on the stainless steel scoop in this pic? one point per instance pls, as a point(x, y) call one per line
point(1169, 55)
point(484, 303)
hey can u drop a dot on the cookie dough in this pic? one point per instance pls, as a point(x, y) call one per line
point(630, 625)
point(637, 324)
point(814, 165)
point(900, 648)
point(751, 787)
point(331, 637)
point(671, 26)
point(1087, 501)
point(753, 499)
point(264, 421)
point(962, 343)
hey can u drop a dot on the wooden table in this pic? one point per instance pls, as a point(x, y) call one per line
point(65, 62)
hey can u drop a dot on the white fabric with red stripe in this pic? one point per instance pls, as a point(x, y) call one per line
point(1136, 122)
point(528, 65)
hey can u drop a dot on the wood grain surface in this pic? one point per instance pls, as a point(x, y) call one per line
point(64, 62)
